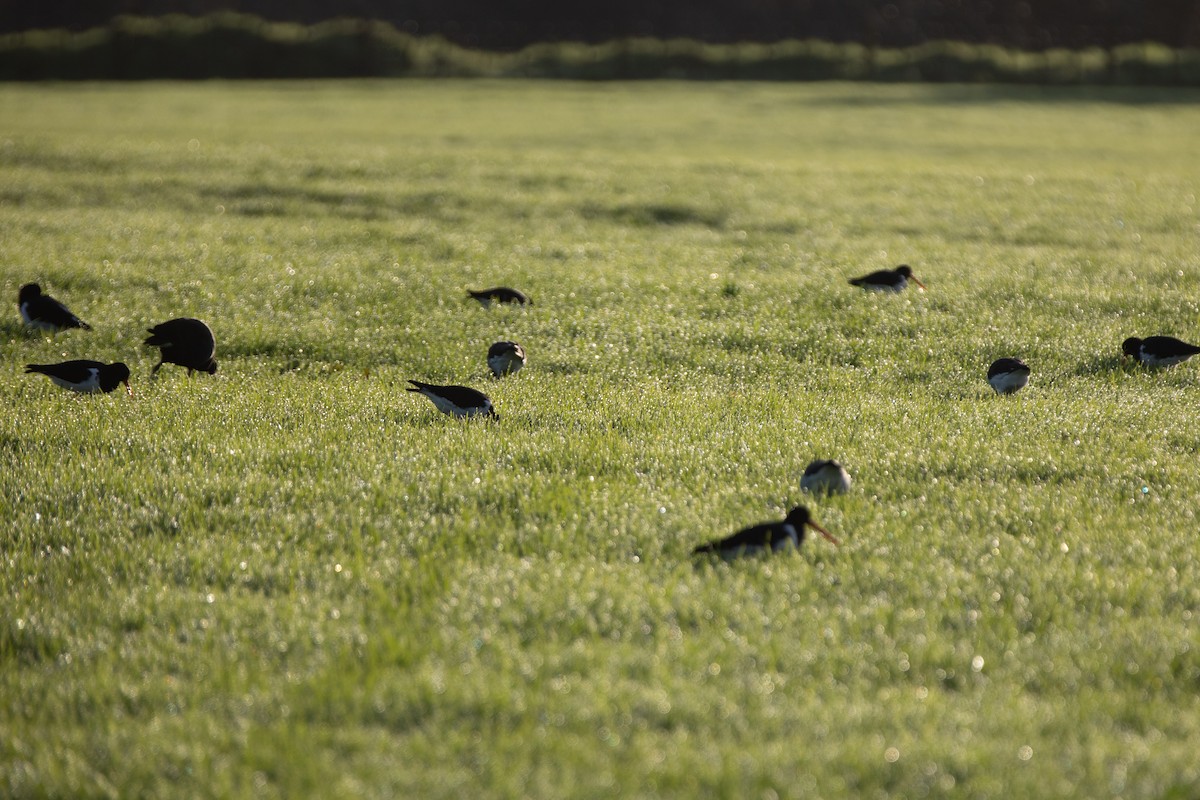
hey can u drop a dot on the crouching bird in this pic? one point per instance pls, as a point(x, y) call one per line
point(184, 341)
point(85, 376)
point(765, 537)
point(887, 280)
point(1008, 375)
point(498, 294)
point(457, 401)
point(505, 358)
point(825, 477)
point(43, 311)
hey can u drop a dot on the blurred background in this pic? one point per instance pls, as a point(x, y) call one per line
point(510, 25)
point(1070, 42)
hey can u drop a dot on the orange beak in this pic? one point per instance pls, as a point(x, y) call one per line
point(128, 388)
point(823, 532)
point(918, 283)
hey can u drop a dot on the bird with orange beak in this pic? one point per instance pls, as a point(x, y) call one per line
point(766, 537)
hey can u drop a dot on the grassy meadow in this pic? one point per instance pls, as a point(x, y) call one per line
point(295, 579)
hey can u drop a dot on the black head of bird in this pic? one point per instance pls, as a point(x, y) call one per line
point(28, 292)
point(906, 271)
point(799, 517)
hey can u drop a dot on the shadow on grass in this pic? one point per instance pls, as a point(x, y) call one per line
point(28, 646)
point(262, 200)
point(652, 214)
point(17, 330)
point(975, 94)
point(560, 368)
point(268, 349)
point(1104, 365)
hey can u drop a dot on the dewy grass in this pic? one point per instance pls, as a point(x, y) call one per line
point(293, 578)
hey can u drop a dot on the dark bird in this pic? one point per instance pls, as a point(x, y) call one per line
point(505, 358)
point(887, 280)
point(499, 294)
point(825, 477)
point(184, 341)
point(1008, 375)
point(767, 536)
point(459, 401)
point(85, 376)
point(1159, 351)
point(43, 311)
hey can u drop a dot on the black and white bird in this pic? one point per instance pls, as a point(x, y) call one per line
point(184, 341)
point(458, 401)
point(825, 477)
point(887, 280)
point(1008, 375)
point(765, 537)
point(43, 311)
point(499, 294)
point(85, 376)
point(1159, 351)
point(505, 358)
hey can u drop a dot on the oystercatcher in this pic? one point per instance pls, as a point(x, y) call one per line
point(43, 311)
point(1008, 375)
point(825, 477)
point(767, 536)
point(505, 358)
point(1159, 351)
point(887, 280)
point(184, 341)
point(499, 294)
point(85, 376)
point(458, 401)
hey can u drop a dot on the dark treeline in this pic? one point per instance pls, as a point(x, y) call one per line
point(236, 46)
point(507, 25)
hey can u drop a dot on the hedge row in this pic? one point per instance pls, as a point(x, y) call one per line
point(239, 46)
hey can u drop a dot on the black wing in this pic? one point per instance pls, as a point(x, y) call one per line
point(500, 348)
point(163, 335)
point(48, 310)
point(882, 277)
point(1003, 365)
point(817, 466)
point(755, 536)
point(461, 396)
point(70, 371)
point(1168, 346)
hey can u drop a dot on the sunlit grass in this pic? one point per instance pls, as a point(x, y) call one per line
point(295, 579)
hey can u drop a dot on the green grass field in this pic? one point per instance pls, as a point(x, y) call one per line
point(294, 579)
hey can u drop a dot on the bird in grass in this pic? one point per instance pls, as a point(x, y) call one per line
point(1159, 351)
point(825, 477)
point(43, 311)
point(85, 376)
point(1008, 375)
point(184, 341)
point(458, 401)
point(887, 280)
point(765, 537)
point(505, 358)
point(499, 294)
